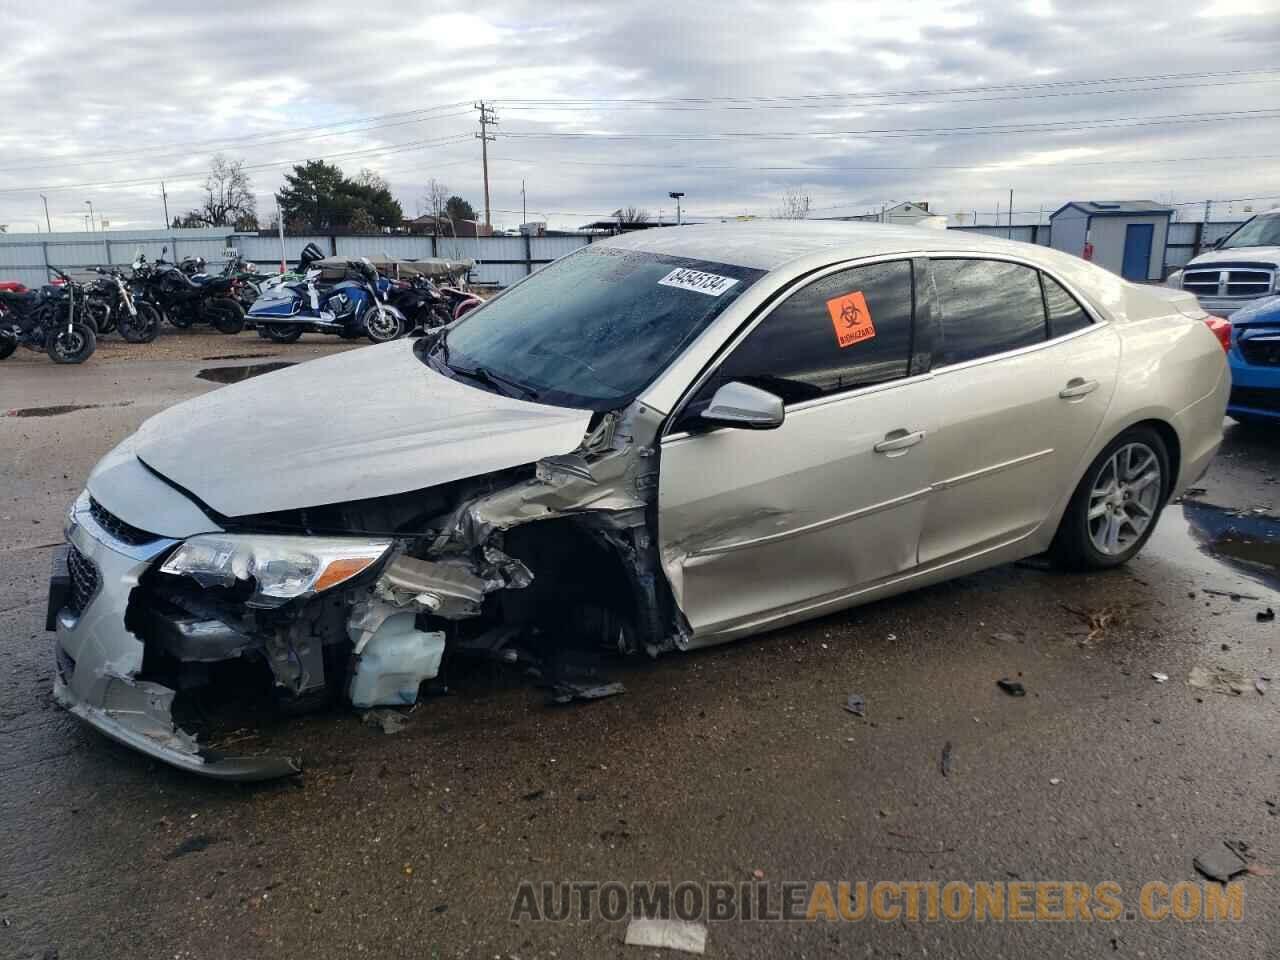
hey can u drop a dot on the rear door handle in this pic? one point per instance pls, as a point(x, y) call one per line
point(898, 442)
point(1077, 388)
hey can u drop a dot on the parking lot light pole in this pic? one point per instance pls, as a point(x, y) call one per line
point(91, 227)
point(676, 195)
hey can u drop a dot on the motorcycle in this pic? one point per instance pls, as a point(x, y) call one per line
point(137, 320)
point(185, 300)
point(51, 319)
point(354, 306)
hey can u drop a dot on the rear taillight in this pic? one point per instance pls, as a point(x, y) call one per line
point(1220, 329)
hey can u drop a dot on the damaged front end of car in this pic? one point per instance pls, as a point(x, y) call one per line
point(362, 601)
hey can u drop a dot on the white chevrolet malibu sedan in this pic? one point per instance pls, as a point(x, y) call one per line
point(664, 441)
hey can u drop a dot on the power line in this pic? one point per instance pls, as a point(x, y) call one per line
point(896, 132)
point(861, 104)
point(243, 140)
point(373, 151)
point(793, 98)
point(1220, 158)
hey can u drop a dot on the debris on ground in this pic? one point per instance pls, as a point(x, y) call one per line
point(1260, 684)
point(947, 759)
point(1159, 677)
point(1097, 621)
point(1004, 637)
point(1012, 687)
point(388, 720)
point(1222, 862)
point(1266, 616)
point(856, 704)
point(567, 691)
point(1054, 781)
point(200, 841)
point(1218, 680)
point(1231, 595)
point(671, 934)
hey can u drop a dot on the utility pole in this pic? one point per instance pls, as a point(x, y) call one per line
point(46, 212)
point(1009, 235)
point(524, 204)
point(165, 197)
point(487, 119)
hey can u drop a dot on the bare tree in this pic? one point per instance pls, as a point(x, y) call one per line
point(229, 199)
point(372, 179)
point(795, 206)
point(633, 215)
point(436, 201)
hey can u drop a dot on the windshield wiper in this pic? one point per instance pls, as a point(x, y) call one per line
point(485, 376)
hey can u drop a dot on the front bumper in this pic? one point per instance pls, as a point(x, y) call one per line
point(99, 660)
point(1255, 390)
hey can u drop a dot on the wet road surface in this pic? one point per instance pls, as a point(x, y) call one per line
point(713, 765)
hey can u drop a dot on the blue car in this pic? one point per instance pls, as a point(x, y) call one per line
point(1255, 363)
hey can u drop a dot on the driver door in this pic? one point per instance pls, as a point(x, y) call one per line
point(761, 525)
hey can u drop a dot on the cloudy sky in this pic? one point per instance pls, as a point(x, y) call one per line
point(614, 103)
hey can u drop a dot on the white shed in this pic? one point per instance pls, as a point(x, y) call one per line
point(1127, 237)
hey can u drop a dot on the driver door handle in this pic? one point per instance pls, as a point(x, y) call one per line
point(1078, 388)
point(898, 442)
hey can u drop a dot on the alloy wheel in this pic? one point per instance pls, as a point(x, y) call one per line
point(1124, 498)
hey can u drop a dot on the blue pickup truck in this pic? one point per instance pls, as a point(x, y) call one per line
point(1255, 363)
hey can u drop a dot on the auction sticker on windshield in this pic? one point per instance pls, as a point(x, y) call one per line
point(851, 317)
point(709, 283)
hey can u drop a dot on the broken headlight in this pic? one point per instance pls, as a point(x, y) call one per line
point(281, 568)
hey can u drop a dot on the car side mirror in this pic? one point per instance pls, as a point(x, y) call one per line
point(743, 406)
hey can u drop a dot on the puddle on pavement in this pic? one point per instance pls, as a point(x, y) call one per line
point(241, 372)
point(1227, 552)
point(59, 410)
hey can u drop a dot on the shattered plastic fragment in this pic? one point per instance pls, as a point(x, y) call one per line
point(856, 704)
point(1160, 677)
point(671, 934)
point(1221, 864)
point(1012, 687)
point(567, 691)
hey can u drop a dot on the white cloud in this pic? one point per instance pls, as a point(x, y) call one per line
point(152, 92)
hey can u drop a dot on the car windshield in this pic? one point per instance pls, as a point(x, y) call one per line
point(593, 329)
point(1258, 232)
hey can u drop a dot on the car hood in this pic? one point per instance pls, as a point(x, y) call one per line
point(1268, 255)
point(1261, 312)
point(365, 423)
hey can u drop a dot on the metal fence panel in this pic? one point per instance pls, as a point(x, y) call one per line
point(553, 248)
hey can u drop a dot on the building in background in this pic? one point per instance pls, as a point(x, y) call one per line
point(1127, 237)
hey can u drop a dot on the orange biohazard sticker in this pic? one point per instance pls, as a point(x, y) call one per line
point(851, 317)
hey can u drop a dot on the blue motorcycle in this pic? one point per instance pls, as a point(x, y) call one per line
point(352, 305)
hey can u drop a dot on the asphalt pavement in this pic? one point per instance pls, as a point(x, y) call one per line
point(738, 763)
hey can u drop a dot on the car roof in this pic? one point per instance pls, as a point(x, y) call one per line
point(768, 244)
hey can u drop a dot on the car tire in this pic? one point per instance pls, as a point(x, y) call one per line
point(7, 346)
point(1115, 507)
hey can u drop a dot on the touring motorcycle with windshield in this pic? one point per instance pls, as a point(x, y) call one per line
point(353, 304)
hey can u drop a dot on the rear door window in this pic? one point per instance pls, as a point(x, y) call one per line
point(1065, 313)
point(987, 307)
point(847, 330)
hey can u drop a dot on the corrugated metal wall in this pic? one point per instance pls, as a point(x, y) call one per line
point(500, 261)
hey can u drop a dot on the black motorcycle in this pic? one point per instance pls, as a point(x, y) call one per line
point(185, 300)
point(117, 308)
point(50, 320)
point(422, 303)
